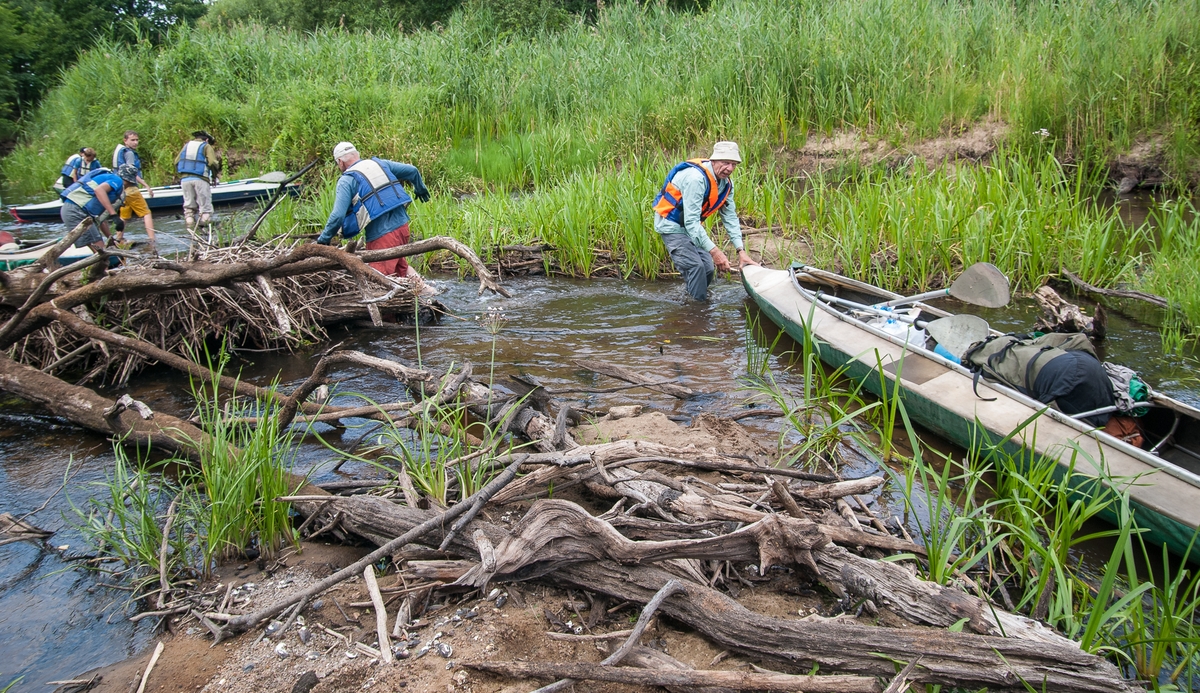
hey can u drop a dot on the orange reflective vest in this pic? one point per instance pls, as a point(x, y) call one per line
point(669, 202)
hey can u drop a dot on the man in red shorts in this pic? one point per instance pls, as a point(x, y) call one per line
point(371, 198)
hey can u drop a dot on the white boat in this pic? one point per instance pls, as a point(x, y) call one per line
point(28, 251)
point(171, 197)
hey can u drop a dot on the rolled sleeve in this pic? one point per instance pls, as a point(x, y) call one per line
point(341, 205)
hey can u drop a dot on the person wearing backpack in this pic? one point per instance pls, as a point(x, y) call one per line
point(693, 191)
point(1056, 368)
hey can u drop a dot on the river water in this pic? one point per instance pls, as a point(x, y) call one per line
point(56, 621)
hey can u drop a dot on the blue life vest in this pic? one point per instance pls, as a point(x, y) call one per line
point(192, 160)
point(121, 155)
point(89, 183)
point(379, 192)
point(73, 162)
point(669, 201)
point(77, 167)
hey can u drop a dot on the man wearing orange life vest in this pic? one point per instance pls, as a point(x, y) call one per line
point(693, 191)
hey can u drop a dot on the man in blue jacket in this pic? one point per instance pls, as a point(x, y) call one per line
point(371, 198)
point(693, 191)
point(96, 196)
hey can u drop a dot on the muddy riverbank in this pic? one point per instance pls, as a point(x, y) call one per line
point(61, 622)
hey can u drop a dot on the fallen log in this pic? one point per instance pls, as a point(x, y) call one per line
point(1059, 315)
point(631, 376)
point(626, 452)
point(647, 658)
point(951, 658)
point(431, 524)
point(555, 533)
point(1152, 299)
point(86, 408)
point(698, 507)
point(957, 659)
point(838, 489)
point(739, 680)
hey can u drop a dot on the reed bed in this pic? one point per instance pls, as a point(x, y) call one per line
point(474, 107)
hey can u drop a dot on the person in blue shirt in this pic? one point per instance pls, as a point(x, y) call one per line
point(371, 199)
point(693, 191)
point(78, 165)
point(96, 196)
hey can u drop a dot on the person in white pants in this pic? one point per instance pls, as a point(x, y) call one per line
point(197, 166)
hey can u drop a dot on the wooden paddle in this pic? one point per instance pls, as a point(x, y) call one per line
point(981, 284)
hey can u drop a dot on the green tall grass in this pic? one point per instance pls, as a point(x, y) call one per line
point(1030, 216)
point(563, 137)
point(242, 470)
point(226, 498)
point(124, 520)
point(474, 107)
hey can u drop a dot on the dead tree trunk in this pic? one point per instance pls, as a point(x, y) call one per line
point(959, 659)
point(96, 413)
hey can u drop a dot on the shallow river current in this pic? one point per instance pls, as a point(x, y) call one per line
point(56, 621)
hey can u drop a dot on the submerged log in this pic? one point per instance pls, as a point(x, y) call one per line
point(631, 376)
point(13, 529)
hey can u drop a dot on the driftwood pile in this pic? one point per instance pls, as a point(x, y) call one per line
point(692, 541)
point(278, 295)
point(681, 545)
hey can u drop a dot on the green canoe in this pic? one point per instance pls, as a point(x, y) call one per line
point(1163, 481)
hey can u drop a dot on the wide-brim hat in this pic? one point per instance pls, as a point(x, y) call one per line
point(726, 151)
point(204, 135)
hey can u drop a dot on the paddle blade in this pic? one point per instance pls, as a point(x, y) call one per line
point(273, 177)
point(981, 284)
point(958, 332)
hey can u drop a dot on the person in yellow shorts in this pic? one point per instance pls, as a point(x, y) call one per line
point(135, 204)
